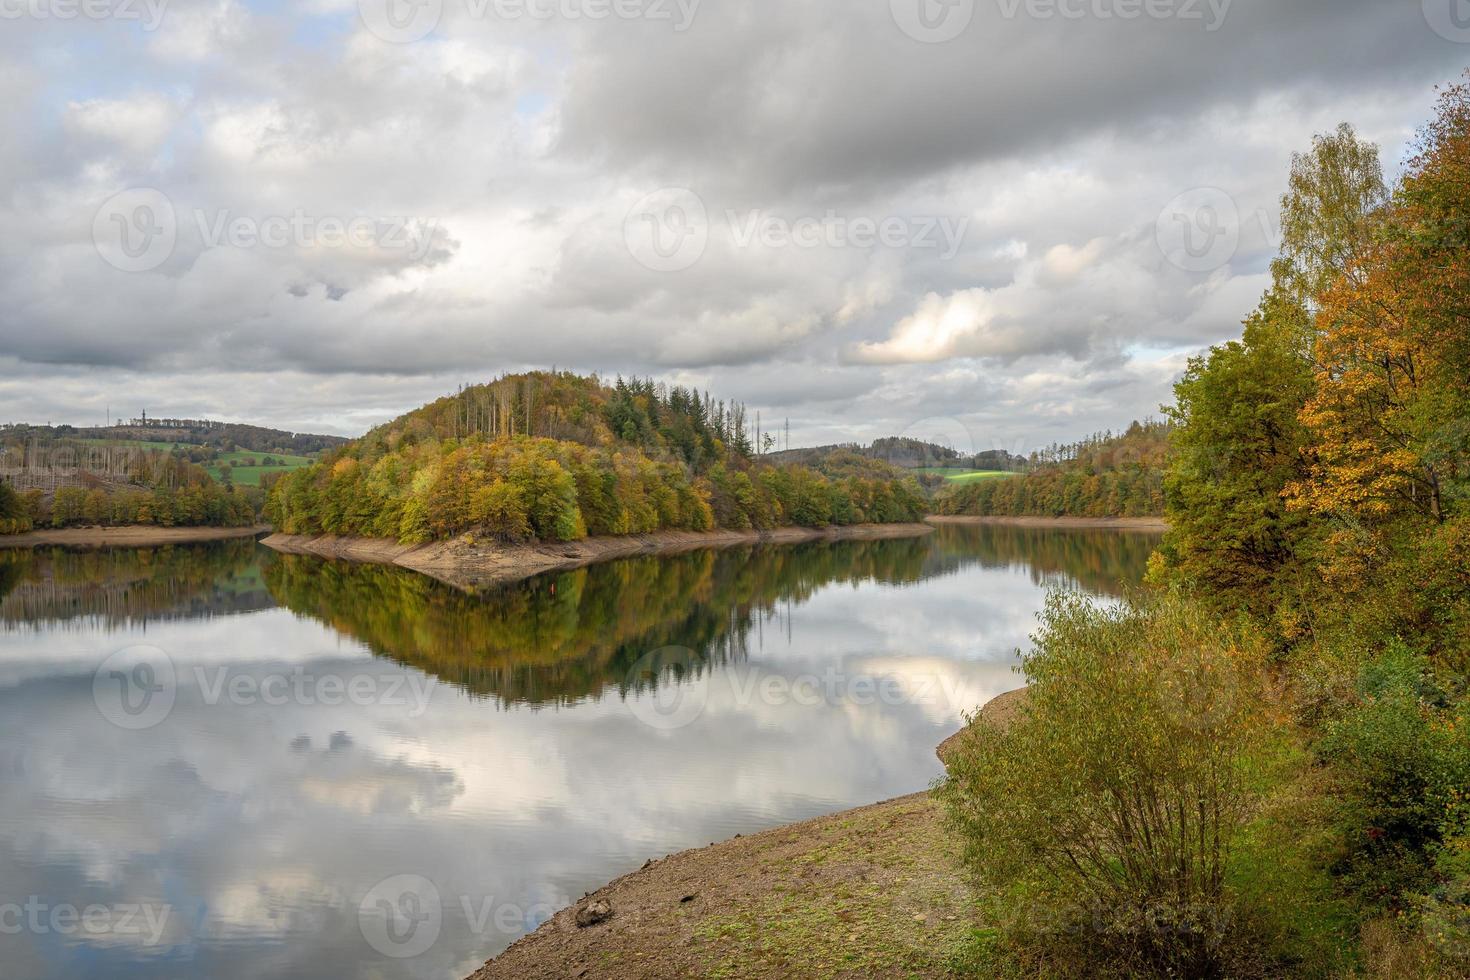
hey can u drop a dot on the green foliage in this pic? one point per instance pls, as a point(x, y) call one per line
point(634, 459)
point(1105, 476)
point(1236, 446)
point(1327, 215)
point(1115, 800)
point(14, 516)
point(1403, 753)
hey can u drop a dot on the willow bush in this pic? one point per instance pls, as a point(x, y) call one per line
point(1109, 807)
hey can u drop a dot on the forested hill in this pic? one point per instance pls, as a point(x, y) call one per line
point(1105, 475)
point(558, 456)
point(909, 454)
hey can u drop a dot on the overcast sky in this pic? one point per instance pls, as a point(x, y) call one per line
point(995, 222)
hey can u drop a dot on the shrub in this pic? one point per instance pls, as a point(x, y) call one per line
point(1402, 754)
point(1112, 803)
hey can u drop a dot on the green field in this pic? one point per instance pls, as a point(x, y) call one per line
point(965, 476)
point(250, 476)
point(244, 476)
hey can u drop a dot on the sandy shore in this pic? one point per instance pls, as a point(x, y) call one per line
point(473, 565)
point(1115, 523)
point(872, 892)
point(127, 537)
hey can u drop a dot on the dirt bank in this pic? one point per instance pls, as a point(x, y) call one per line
point(473, 565)
point(127, 537)
point(872, 892)
point(1116, 523)
point(1000, 711)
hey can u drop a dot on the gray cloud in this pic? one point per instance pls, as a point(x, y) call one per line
point(518, 150)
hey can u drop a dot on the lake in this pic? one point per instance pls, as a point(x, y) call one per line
point(221, 762)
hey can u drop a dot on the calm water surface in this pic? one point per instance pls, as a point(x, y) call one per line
point(218, 762)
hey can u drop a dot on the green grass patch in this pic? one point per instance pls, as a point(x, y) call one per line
point(245, 475)
point(964, 476)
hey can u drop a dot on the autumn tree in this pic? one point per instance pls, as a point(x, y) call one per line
point(1237, 447)
point(1389, 417)
point(1327, 213)
point(1240, 441)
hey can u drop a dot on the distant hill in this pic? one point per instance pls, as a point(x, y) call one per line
point(908, 454)
point(223, 436)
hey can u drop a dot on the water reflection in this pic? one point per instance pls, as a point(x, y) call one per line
point(124, 586)
point(537, 764)
point(562, 638)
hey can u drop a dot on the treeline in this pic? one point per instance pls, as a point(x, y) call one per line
point(1262, 767)
point(907, 453)
point(558, 457)
point(160, 490)
point(1103, 476)
point(197, 504)
point(218, 436)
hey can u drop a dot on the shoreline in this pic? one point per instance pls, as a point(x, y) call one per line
point(1080, 523)
point(882, 882)
point(470, 565)
point(135, 536)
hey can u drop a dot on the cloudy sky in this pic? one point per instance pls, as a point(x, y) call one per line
point(996, 222)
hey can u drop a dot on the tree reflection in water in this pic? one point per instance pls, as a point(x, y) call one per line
point(564, 637)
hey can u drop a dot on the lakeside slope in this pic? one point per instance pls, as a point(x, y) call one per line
point(873, 892)
point(141, 536)
point(470, 564)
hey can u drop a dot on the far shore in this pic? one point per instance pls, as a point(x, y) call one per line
point(1115, 523)
point(470, 564)
point(875, 891)
point(140, 536)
